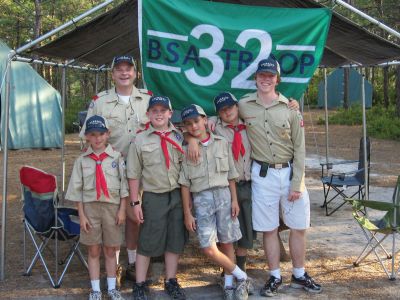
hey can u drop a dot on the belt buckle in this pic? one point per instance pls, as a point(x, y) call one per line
point(278, 166)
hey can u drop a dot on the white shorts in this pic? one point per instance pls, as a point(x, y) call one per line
point(269, 194)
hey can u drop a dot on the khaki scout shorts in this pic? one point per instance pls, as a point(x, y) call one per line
point(243, 190)
point(163, 229)
point(213, 210)
point(102, 216)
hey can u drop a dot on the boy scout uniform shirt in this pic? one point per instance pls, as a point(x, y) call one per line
point(214, 168)
point(276, 134)
point(123, 119)
point(82, 184)
point(146, 161)
point(243, 164)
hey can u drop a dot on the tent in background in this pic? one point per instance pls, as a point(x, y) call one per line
point(336, 89)
point(35, 109)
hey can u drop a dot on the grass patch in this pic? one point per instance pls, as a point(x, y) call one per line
point(382, 123)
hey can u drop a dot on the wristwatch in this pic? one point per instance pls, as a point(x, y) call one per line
point(134, 203)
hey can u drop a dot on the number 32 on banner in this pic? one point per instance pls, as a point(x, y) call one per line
point(240, 81)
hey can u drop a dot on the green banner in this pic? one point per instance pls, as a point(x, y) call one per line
point(192, 50)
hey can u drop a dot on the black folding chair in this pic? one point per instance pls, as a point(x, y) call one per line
point(44, 221)
point(339, 185)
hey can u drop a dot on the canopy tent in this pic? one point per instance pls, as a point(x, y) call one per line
point(115, 32)
point(35, 107)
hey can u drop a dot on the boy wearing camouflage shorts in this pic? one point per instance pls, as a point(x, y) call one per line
point(211, 180)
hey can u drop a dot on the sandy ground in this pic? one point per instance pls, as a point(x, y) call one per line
point(333, 242)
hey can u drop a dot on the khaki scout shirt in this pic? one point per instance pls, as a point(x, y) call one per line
point(276, 134)
point(82, 184)
point(123, 119)
point(146, 161)
point(243, 164)
point(214, 168)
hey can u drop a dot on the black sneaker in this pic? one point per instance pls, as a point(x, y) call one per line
point(270, 288)
point(140, 291)
point(173, 289)
point(307, 283)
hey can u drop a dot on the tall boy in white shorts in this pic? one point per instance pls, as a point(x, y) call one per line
point(98, 185)
point(211, 180)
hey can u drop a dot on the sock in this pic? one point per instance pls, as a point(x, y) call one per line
point(298, 272)
point(276, 273)
point(95, 285)
point(111, 283)
point(228, 281)
point(238, 273)
point(241, 262)
point(131, 256)
point(117, 255)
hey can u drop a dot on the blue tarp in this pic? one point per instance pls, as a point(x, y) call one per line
point(35, 107)
point(336, 91)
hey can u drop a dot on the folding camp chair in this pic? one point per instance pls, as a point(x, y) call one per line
point(339, 185)
point(376, 231)
point(44, 221)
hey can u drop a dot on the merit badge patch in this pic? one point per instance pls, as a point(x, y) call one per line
point(91, 104)
point(114, 164)
point(178, 136)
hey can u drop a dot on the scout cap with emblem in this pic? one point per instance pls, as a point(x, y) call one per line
point(192, 111)
point(96, 124)
point(224, 99)
point(159, 100)
point(123, 58)
point(269, 65)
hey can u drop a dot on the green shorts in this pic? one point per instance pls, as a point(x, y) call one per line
point(163, 229)
point(243, 190)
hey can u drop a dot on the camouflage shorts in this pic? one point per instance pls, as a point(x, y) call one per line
point(213, 217)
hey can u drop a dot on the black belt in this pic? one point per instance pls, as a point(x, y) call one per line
point(273, 166)
point(265, 166)
point(243, 182)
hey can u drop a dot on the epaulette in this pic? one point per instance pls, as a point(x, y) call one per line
point(145, 91)
point(247, 97)
point(101, 94)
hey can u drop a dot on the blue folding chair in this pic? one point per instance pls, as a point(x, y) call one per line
point(338, 185)
point(44, 221)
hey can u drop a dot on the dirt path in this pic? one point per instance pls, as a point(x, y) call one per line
point(334, 241)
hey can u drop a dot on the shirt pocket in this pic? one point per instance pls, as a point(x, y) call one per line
point(195, 169)
point(151, 154)
point(282, 129)
point(89, 176)
point(221, 160)
point(112, 176)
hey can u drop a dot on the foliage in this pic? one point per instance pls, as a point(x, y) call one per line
point(381, 122)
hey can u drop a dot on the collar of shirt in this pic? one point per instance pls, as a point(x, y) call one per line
point(213, 137)
point(109, 150)
point(281, 99)
point(225, 124)
point(113, 96)
point(171, 128)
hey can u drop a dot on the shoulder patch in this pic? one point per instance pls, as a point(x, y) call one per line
point(95, 97)
point(145, 91)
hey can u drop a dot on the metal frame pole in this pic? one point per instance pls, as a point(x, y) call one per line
point(69, 23)
point(364, 124)
point(369, 18)
point(326, 117)
point(5, 167)
point(63, 100)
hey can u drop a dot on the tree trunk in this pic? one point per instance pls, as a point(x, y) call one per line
point(346, 72)
point(374, 94)
point(398, 91)
point(386, 86)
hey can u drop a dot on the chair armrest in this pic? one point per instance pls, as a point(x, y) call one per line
point(341, 162)
point(374, 204)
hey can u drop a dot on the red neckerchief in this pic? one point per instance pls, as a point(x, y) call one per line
point(164, 139)
point(237, 144)
point(101, 183)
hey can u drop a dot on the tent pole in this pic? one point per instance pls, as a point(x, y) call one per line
point(5, 167)
point(69, 23)
point(96, 86)
point(326, 118)
point(369, 18)
point(364, 120)
point(63, 100)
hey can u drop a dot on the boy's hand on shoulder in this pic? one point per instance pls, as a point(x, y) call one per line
point(235, 209)
point(138, 214)
point(190, 222)
point(121, 216)
point(193, 149)
point(211, 124)
point(84, 223)
point(293, 104)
